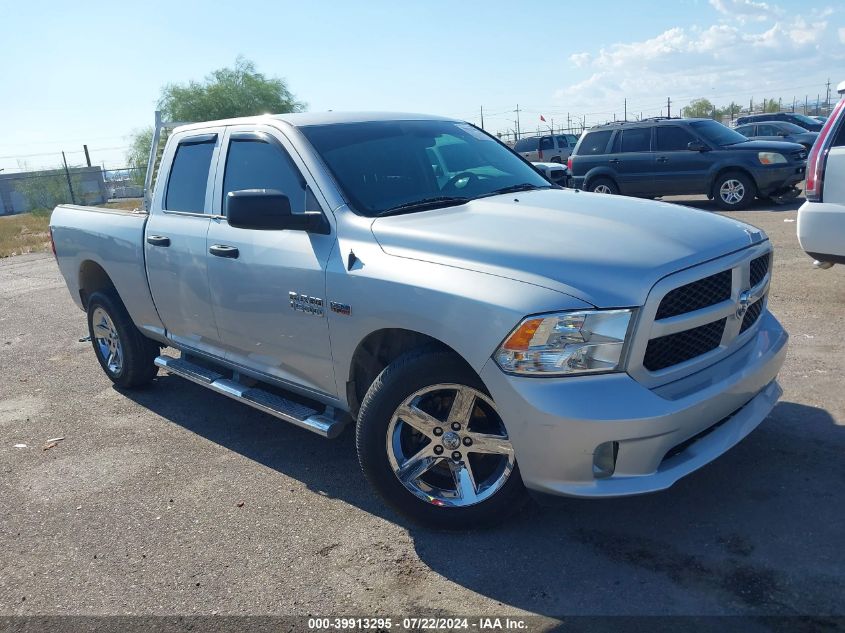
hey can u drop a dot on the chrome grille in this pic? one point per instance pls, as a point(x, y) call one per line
point(759, 268)
point(751, 315)
point(677, 348)
point(696, 317)
point(699, 294)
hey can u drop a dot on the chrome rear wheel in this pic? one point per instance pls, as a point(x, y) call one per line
point(107, 340)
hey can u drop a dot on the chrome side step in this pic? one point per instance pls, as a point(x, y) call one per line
point(299, 414)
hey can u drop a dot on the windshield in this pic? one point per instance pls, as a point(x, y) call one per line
point(804, 119)
point(717, 133)
point(384, 165)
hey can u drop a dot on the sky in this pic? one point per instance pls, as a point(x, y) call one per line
point(75, 73)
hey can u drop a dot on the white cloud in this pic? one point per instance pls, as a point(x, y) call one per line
point(743, 10)
point(724, 61)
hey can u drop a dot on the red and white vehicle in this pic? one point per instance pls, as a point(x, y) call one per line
point(821, 220)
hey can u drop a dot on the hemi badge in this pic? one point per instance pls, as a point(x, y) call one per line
point(341, 308)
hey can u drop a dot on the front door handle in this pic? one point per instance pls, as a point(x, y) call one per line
point(662, 159)
point(158, 240)
point(613, 161)
point(221, 250)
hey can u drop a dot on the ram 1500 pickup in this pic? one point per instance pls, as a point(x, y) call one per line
point(486, 331)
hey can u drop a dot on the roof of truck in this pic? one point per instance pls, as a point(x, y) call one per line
point(319, 118)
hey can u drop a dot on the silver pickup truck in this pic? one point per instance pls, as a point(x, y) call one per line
point(487, 332)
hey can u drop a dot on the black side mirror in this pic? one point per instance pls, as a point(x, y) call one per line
point(697, 146)
point(269, 210)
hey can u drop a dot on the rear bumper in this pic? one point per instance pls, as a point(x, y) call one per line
point(821, 230)
point(556, 425)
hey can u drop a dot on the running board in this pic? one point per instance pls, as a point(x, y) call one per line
point(299, 414)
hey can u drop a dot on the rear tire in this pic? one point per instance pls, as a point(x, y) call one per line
point(126, 355)
point(734, 191)
point(437, 470)
point(603, 185)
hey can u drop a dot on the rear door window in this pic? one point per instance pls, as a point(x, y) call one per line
point(594, 143)
point(636, 140)
point(767, 129)
point(671, 138)
point(188, 179)
point(546, 143)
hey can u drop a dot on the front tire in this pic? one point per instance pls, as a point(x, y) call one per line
point(432, 445)
point(126, 355)
point(734, 191)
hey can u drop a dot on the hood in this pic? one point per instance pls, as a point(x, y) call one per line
point(606, 250)
point(765, 146)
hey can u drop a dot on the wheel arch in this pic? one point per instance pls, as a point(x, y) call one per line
point(724, 169)
point(380, 348)
point(93, 278)
point(595, 174)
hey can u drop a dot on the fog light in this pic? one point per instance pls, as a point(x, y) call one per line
point(604, 459)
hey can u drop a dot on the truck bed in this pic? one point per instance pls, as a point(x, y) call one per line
point(112, 239)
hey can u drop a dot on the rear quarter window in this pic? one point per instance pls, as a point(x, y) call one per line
point(594, 143)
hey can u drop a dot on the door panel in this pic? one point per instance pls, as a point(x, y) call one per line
point(175, 240)
point(679, 170)
point(633, 160)
point(261, 325)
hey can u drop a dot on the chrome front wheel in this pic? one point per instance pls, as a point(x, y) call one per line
point(448, 446)
point(732, 191)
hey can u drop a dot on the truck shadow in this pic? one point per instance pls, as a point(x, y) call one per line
point(756, 532)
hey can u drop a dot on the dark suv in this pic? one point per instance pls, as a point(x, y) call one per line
point(660, 157)
point(801, 120)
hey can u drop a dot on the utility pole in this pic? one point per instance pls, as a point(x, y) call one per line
point(482, 117)
point(828, 95)
point(668, 108)
point(780, 104)
point(517, 119)
point(87, 157)
point(806, 103)
point(67, 173)
point(626, 108)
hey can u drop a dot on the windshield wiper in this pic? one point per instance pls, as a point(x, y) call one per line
point(436, 202)
point(525, 186)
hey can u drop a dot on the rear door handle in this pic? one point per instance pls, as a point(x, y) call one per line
point(662, 159)
point(158, 240)
point(613, 161)
point(221, 250)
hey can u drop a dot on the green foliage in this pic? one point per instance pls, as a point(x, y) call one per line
point(771, 105)
point(139, 153)
point(699, 109)
point(224, 94)
point(227, 93)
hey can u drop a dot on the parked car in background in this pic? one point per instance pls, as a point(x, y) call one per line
point(553, 148)
point(823, 119)
point(801, 120)
point(778, 131)
point(555, 172)
point(821, 220)
point(661, 156)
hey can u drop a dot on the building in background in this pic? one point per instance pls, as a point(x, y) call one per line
point(28, 190)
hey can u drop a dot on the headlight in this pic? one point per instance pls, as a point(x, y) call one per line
point(566, 343)
point(771, 158)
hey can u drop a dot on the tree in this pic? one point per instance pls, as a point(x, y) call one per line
point(730, 111)
point(223, 94)
point(699, 109)
point(771, 105)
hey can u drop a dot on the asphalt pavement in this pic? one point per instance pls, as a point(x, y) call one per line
point(174, 500)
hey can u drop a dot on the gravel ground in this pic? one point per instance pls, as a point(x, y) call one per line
point(173, 500)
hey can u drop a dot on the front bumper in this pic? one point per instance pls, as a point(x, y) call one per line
point(556, 424)
point(777, 180)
